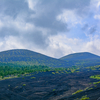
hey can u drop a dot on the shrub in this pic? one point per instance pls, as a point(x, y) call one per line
point(78, 91)
point(84, 97)
point(32, 77)
point(53, 73)
point(95, 77)
point(24, 84)
point(96, 82)
point(54, 89)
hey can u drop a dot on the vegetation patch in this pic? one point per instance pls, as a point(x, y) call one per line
point(95, 77)
point(54, 89)
point(97, 67)
point(78, 91)
point(83, 98)
point(7, 72)
point(96, 82)
point(53, 73)
point(32, 77)
point(24, 84)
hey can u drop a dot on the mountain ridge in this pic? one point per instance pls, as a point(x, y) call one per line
point(24, 57)
point(82, 59)
point(80, 54)
point(28, 57)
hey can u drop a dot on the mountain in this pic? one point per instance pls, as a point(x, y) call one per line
point(23, 57)
point(83, 59)
point(74, 83)
point(80, 56)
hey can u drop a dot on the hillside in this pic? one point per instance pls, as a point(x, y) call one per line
point(22, 57)
point(83, 59)
point(44, 83)
point(53, 85)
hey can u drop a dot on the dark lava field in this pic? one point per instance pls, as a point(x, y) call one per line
point(48, 86)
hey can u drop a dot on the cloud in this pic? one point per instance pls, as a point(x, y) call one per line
point(46, 26)
point(92, 46)
point(11, 42)
point(97, 16)
point(85, 27)
point(61, 45)
point(92, 30)
point(70, 17)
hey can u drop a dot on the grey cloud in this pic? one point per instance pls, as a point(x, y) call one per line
point(47, 19)
point(50, 24)
point(52, 8)
point(56, 6)
point(13, 7)
point(68, 4)
point(85, 27)
point(92, 30)
point(37, 38)
point(5, 31)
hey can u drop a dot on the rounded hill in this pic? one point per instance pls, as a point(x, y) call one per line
point(23, 57)
point(82, 59)
point(80, 56)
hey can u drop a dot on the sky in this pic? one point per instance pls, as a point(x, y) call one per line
point(52, 27)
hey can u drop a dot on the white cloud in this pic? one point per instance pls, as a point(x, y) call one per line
point(95, 8)
point(92, 46)
point(32, 4)
point(98, 5)
point(11, 42)
point(70, 17)
point(60, 45)
point(1, 43)
point(97, 16)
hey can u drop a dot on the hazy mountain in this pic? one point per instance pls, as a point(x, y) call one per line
point(22, 57)
point(84, 59)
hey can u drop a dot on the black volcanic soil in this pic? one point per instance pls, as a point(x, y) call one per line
point(48, 86)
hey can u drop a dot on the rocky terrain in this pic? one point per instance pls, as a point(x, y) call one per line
point(48, 86)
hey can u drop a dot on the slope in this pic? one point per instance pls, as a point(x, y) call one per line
point(83, 59)
point(23, 57)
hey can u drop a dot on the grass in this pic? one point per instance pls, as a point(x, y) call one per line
point(53, 89)
point(95, 77)
point(24, 84)
point(53, 72)
point(93, 67)
point(83, 98)
point(33, 77)
point(96, 82)
point(78, 91)
point(7, 72)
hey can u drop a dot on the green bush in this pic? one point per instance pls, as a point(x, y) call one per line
point(32, 77)
point(84, 97)
point(78, 91)
point(24, 84)
point(54, 89)
point(96, 82)
point(95, 77)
